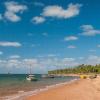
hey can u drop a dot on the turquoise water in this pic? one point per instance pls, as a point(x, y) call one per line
point(12, 83)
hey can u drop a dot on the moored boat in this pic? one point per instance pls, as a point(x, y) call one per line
point(51, 76)
point(31, 78)
point(44, 76)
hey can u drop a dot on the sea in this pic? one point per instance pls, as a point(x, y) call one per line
point(11, 84)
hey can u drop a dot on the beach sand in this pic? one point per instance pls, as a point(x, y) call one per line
point(83, 89)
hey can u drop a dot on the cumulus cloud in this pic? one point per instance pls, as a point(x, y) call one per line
point(12, 17)
point(59, 12)
point(9, 44)
point(42, 65)
point(12, 63)
point(89, 30)
point(53, 63)
point(38, 20)
point(71, 38)
point(71, 47)
point(12, 9)
point(22, 63)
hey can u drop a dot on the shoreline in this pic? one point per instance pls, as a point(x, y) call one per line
point(23, 94)
point(84, 89)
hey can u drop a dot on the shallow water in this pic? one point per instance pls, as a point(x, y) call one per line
point(11, 84)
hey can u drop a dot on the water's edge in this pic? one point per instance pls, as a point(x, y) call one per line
point(23, 94)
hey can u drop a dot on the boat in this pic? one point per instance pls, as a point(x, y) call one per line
point(51, 76)
point(47, 76)
point(31, 78)
point(44, 76)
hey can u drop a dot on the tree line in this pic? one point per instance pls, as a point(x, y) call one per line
point(81, 69)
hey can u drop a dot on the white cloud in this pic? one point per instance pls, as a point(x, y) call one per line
point(12, 9)
point(59, 12)
point(53, 63)
point(38, 20)
point(89, 30)
point(41, 65)
point(93, 59)
point(14, 56)
point(71, 47)
point(15, 7)
point(12, 17)
point(13, 63)
point(10, 44)
point(16, 63)
point(70, 38)
point(44, 64)
point(1, 52)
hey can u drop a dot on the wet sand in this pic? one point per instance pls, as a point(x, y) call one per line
point(84, 89)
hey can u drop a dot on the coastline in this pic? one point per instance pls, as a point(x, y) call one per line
point(77, 89)
point(83, 89)
point(22, 95)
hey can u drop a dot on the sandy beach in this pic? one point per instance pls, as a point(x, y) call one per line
point(83, 89)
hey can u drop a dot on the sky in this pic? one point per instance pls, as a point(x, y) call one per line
point(48, 34)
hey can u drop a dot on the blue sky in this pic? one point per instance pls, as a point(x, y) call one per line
point(48, 34)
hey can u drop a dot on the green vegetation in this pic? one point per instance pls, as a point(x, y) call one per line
point(81, 69)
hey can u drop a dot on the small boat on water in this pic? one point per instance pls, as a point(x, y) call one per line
point(44, 76)
point(31, 78)
point(48, 76)
point(51, 76)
